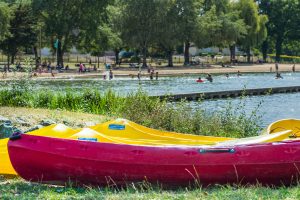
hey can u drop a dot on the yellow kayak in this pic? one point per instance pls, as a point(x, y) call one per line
point(285, 124)
point(123, 131)
point(127, 129)
point(58, 131)
point(110, 132)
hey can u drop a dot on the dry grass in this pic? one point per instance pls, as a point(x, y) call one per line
point(34, 116)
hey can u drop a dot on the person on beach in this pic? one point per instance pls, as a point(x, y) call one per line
point(209, 78)
point(111, 75)
point(278, 76)
point(293, 68)
point(156, 75)
point(151, 75)
point(139, 75)
point(80, 68)
point(239, 74)
point(276, 67)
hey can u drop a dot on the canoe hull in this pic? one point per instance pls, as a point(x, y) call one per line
point(59, 161)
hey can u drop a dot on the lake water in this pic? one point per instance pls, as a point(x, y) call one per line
point(172, 85)
point(273, 108)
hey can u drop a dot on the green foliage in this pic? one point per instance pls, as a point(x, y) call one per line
point(138, 23)
point(4, 20)
point(69, 20)
point(255, 22)
point(138, 107)
point(22, 30)
point(283, 22)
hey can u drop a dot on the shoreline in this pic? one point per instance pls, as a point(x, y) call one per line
point(162, 71)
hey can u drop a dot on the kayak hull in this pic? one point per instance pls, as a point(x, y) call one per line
point(59, 161)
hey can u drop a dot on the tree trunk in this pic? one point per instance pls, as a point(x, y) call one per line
point(187, 53)
point(8, 62)
point(117, 51)
point(264, 49)
point(170, 58)
point(60, 54)
point(98, 62)
point(248, 54)
point(13, 58)
point(278, 47)
point(232, 52)
point(36, 57)
point(144, 57)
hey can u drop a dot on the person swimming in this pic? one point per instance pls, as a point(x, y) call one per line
point(199, 80)
point(278, 76)
point(209, 78)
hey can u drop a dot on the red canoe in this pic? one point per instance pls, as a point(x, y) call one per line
point(58, 161)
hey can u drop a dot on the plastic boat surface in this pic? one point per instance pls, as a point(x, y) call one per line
point(56, 130)
point(58, 161)
point(285, 124)
point(129, 134)
point(128, 129)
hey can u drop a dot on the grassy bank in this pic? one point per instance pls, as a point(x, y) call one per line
point(18, 189)
point(138, 107)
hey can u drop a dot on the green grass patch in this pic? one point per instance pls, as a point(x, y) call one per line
point(18, 189)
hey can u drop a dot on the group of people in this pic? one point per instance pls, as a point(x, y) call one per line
point(278, 75)
point(151, 72)
point(110, 75)
point(82, 68)
point(210, 78)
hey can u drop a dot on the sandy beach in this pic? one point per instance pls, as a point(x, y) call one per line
point(162, 71)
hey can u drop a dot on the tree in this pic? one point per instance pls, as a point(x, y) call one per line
point(168, 30)
point(188, 13)
point(103, 39)
point(283, 22)
point(138, 23)
point(255, 25)
point(234, 28)
point(4, 20)
point(22, 31)
point(67, 20)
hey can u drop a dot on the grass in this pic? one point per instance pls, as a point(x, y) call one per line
point(33, 116)
point(18, 189)
point(138, 107)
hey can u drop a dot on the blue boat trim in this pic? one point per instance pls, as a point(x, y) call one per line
point(116, 127)
point(88, 139)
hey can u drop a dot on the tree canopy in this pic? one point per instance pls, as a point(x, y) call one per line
point(97, 26)
point(4, 20)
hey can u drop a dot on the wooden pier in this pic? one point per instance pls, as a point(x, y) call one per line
point(230, 93)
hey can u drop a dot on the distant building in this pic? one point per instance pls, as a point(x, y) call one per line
point(195, 51)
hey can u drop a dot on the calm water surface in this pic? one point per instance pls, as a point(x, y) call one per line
point(172, 85)
point(274, 107)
